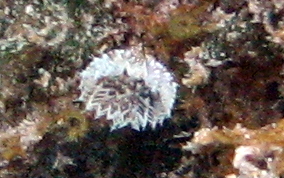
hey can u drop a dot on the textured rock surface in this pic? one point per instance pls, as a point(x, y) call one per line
point(226, 56)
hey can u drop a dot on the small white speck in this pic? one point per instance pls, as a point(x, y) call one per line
point(7, 10)
point(29, 9)
point(247, 136)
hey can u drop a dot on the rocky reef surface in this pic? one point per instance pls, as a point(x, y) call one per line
point(200, 96)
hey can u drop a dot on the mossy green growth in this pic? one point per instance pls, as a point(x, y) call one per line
point(186, 22)
point(75, 122)
point(183, 27)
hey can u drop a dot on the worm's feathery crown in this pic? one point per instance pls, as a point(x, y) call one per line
point(128, 88)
